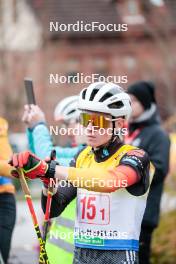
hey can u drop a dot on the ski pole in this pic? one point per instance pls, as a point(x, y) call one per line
point(43, 258)
point(48, 203)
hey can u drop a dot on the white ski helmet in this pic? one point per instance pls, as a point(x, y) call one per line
point(108, 98)
point(67, 109)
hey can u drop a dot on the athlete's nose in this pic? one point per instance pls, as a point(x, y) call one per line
point(90, 127)
point(90, 124)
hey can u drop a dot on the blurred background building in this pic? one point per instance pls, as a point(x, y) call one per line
point(28, 48)
point(146, 51)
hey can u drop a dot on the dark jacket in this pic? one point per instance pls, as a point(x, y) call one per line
point(154, 140)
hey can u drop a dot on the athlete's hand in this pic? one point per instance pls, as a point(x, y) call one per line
point(33, 115)
point(32, 166)
point(46, 181)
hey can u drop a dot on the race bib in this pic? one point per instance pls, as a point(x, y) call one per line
point(94, 209)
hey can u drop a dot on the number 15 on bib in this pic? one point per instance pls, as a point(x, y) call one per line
point(93, 209)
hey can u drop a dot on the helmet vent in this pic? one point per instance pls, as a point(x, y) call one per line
point(116, 105)
point(72, 111)
point(105, 96)
point(84, 94)
point(94, 92)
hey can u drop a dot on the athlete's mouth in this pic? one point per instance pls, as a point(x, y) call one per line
point(91, 137)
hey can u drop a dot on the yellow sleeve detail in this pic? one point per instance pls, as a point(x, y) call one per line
point(97, 179)
point(6, 150)
point(5, 169)
point(7, 188)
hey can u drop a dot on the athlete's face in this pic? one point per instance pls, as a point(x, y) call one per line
point(137, 108)
point(96, 137)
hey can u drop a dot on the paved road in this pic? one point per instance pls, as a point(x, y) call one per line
point(24, 240)
point(21, 256)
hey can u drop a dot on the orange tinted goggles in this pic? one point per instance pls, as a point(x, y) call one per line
point(97, 120)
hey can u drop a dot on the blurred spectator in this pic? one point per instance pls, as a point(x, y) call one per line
point(7, 199)
point(40, 141)
point(145, 132)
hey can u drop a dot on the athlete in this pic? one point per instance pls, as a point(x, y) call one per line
point(39, 139)
point(111, 180)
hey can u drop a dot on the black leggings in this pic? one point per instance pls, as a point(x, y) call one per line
point(145, 244)
point(7, 222)
point(95, 256)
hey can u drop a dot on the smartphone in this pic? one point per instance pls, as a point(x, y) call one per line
point(29, 91)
